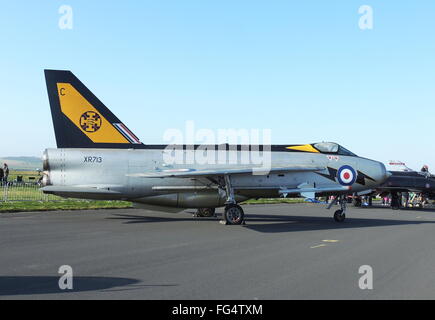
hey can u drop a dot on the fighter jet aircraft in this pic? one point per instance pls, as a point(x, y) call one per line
point(402, 180)
point(98, 157)
point(400, 183)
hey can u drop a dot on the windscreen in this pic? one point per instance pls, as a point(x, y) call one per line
point(328, 147)
point(332, 147)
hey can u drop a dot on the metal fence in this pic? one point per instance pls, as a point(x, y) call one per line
point(25, 191)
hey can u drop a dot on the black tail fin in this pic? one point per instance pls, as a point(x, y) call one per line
point(81, 120)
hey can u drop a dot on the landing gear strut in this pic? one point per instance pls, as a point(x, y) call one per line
point(233, 213)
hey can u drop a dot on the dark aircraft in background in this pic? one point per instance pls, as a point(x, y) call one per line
point(400, 183)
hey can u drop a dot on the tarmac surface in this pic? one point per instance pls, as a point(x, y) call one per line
point(285, 251)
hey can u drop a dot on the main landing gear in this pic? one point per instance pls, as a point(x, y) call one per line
point(233, 213)
point(339, 215)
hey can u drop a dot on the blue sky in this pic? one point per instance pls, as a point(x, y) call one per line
point(303, 69)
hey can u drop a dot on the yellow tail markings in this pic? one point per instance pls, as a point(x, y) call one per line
point(306, 148)
point(86, 117)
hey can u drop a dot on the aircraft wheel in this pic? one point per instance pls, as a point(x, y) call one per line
point(199, 213)
point(234, 214)
point(205, 212)
point(339, 216)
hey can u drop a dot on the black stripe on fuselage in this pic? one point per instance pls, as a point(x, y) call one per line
point(223, 147)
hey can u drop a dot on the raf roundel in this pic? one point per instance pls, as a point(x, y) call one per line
point(346, 176)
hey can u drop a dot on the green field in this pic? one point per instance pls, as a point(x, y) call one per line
point(27, 175)
point(274, 200)
point(61, 205)
point(27, 191)
point(27, 196)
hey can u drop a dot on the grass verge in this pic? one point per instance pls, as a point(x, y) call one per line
point(274, 200)
point(25, 206)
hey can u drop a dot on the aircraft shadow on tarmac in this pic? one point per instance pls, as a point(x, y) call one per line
point(300, 223)
point(34, 285)
point(281, 223)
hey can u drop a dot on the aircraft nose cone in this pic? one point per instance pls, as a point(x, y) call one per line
point(383, 173)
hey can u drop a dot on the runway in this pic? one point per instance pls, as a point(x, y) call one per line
point(286, 251)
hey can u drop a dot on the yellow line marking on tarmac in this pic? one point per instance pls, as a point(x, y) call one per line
point(330, 241)
point(320, 245)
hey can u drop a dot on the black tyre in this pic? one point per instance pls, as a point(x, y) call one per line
point(199, 212)
point(208, 212)
point(339, 216)
point(234, 214)
point(205, 212)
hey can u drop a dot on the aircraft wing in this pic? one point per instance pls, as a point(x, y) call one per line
point(192, 173)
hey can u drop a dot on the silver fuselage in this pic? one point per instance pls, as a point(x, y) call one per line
point(115, 174)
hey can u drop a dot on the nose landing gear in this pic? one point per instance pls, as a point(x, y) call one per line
point(339, 215)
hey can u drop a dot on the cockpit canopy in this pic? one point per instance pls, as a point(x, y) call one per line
point(333, 148)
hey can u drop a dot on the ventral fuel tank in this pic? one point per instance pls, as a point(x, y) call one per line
point(203, 199)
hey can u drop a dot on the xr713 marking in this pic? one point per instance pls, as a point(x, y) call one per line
point(92, 159)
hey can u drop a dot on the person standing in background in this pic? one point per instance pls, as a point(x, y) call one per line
point(2, 175)
point(5, 173)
